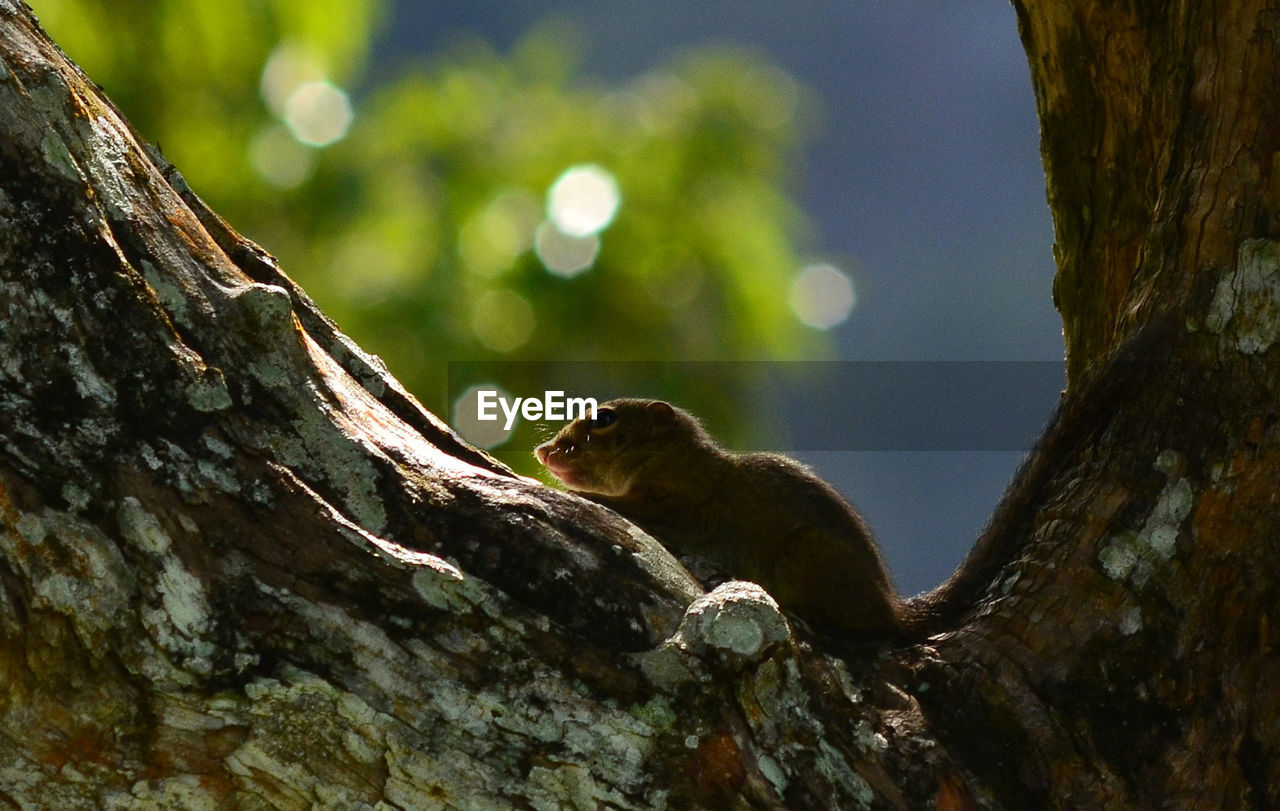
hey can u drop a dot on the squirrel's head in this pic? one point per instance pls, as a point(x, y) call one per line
point(622, 448)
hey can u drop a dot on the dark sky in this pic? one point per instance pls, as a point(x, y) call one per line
point(922, 177)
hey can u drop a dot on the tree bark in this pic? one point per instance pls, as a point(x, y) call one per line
point(243, 568)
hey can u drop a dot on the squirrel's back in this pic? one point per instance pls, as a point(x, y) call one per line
point(759, 516)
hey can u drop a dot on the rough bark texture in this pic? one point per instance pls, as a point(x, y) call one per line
point(240, 567)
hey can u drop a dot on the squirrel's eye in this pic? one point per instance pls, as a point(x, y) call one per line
point(604, 418)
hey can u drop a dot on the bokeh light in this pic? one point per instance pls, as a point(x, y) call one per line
point(564, 255)
point(491, 240)
point(318, 113)
point(583, 200)
point(278, 157)
point(768, 96)
point(822, 296)
point(481, 433)
point(289, 66)
point(367, 270)
point(502, 320)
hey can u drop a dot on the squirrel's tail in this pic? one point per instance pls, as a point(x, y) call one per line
point(1081, 415)
point(928, 613)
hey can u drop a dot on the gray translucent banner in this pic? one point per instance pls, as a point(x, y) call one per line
point(785, 406)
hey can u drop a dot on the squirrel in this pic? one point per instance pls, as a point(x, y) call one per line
point(761, 517)
point(769, 519)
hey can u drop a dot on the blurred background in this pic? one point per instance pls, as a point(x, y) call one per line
point(754, 184)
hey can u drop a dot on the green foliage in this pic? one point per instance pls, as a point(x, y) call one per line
point(415, 230)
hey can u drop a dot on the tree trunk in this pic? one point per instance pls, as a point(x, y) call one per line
point(243, 568)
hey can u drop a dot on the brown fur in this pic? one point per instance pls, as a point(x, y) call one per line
point(756, 516)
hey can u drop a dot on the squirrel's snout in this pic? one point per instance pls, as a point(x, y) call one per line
point(555, 447)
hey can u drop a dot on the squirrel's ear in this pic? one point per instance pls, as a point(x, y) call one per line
point(661, 410)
